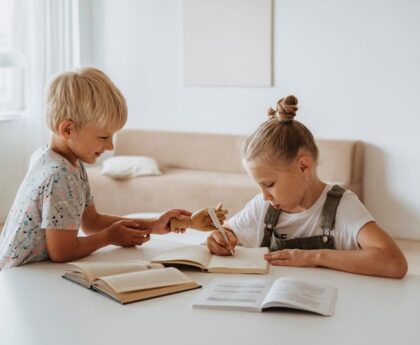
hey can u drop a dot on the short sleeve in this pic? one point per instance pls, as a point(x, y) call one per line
point(246, 223)
point(85, 185)
point(89, 197)
point(63, 202)
point(351, 216)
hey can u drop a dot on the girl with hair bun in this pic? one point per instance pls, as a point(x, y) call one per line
point(301, 219)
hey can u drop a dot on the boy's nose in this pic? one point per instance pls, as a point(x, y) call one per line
point(110, 145)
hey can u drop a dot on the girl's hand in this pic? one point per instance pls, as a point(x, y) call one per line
point(217, 244)
point(291, 257)
point(126, 233)
point(162, 224)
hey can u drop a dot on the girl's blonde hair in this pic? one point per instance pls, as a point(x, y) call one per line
point(85, 96)
point(278, 140)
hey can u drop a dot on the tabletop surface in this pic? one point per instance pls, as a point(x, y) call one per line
point(37, 306)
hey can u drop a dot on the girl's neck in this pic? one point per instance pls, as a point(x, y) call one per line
point(59, 146)
point(315, 187)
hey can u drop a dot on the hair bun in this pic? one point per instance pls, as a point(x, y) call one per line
point(287, 108)
point(271, 113)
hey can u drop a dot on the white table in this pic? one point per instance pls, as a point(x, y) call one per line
point(37, 306)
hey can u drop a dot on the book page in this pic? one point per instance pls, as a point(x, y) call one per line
point(133, 281)
point(186, 255)
point(234, 293)
point(249, 259)
point(288, 292)
point(93, 270)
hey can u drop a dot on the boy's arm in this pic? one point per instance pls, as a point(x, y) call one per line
point(64, 245)
point(379, 256)
point(92, 221)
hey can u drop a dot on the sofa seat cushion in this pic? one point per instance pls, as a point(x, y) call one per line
point(175, 188)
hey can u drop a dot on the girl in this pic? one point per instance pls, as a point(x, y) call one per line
point(303, 220)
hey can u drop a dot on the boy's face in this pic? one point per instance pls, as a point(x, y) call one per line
point(88, 143)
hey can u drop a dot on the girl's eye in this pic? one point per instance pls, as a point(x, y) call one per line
point(270, 185)
point(104, 138)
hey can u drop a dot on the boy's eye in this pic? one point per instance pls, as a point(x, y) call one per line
point(104, 138)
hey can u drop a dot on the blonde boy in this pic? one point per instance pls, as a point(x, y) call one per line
point(84, 110)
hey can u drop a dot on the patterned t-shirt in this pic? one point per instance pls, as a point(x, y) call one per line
point(53, 195)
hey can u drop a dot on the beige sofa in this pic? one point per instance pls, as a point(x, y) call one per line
point(199, 170)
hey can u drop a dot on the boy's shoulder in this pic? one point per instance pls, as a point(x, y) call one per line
point(46, 164)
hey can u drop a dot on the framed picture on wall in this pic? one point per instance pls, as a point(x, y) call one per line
point(227, 42)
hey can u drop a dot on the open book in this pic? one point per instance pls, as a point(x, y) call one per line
point(129, 281)
point(259, 294)
point(245, 260)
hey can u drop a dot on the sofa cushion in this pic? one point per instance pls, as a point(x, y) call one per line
point(175, 188)
point(198, 151)
point(201, 169)
point(123, 167)
point(340, 160)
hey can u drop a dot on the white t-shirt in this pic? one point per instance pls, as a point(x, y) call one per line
point(248, 224)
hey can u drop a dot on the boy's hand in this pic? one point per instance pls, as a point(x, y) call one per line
point(162, 224)
point(126, 233)
point(217, 244)
point(201, 219)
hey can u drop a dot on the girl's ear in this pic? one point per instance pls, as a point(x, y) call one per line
point(305, 165)
point(66, 128)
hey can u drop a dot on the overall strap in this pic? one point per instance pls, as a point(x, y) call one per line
point(330, 207)
point(329, 211)
point(270, 220)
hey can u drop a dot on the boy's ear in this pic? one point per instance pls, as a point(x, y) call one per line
point(66, 128)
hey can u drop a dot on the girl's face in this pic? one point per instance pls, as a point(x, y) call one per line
point(285, 188)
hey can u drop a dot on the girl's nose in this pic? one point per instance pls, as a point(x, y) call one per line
point(267, 196)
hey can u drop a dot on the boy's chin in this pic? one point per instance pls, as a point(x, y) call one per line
point(89, 160)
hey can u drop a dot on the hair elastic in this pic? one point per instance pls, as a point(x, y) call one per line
point(286, 121)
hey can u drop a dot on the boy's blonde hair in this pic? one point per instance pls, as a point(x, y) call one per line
point(85, 96)
point(278, 140)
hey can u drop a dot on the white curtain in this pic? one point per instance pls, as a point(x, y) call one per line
point(47, 32)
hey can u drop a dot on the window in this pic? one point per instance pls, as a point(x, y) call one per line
point(11, 65)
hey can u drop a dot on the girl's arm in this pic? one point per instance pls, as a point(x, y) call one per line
point(379, 256)
point(217, 244)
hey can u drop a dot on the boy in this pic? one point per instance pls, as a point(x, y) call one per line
point(84, 110)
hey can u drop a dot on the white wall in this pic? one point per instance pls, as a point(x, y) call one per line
point(354, 64)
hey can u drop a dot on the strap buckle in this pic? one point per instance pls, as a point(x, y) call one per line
point(326, 237)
